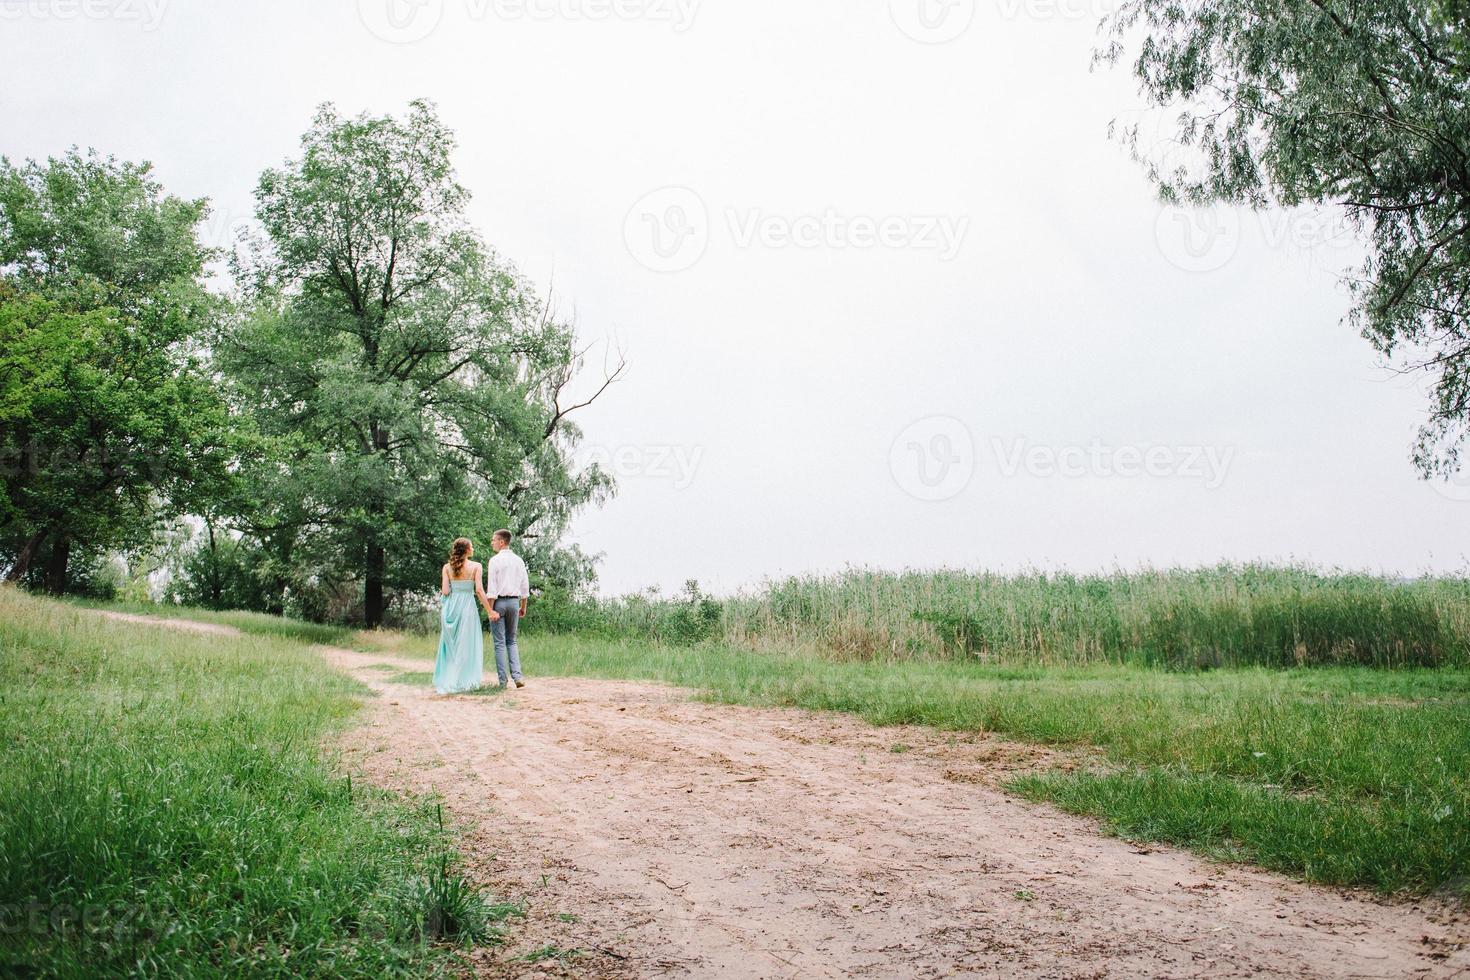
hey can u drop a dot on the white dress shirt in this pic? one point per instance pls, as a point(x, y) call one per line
point(507, 576)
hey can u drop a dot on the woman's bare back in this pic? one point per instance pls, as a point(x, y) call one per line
point(471, 572)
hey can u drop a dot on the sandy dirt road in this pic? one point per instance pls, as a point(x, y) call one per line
point(657, 836)
point(688, 840)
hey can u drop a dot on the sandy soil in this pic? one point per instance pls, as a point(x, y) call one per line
point(653, 836)
point(187, 625)
point(665, 837)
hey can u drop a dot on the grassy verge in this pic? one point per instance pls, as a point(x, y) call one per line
point(164, 810)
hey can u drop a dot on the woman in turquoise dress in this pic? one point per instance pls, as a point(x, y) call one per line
point(461, 644)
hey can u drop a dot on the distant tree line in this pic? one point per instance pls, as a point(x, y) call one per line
point(374, 382)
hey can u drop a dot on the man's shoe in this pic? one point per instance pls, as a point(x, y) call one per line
point(520, 683)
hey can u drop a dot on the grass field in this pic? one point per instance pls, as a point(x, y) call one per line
point(165, 810)
point(1342, 775)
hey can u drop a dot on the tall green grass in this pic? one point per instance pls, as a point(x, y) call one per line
point(165, 811)
point(1230, 615)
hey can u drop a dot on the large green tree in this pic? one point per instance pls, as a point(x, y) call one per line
point(412, 383)
point(109, 424)
point(1357, 103)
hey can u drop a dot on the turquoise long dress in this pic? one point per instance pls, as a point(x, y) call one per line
point(461, 644)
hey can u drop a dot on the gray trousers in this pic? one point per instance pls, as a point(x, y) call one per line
point(503, 632)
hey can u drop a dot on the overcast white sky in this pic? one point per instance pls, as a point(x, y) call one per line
point(890, 295)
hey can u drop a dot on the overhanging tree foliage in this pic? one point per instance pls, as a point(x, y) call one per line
point(412, 383)
point(1359, 103)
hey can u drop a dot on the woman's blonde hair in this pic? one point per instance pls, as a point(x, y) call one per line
point(457, 554)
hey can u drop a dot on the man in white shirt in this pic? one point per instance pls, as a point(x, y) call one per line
point(509, 586)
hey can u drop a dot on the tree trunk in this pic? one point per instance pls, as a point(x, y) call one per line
point(56, 565)
point(275, 600)
point(377, 560)
point(216, 599)
point(372, 605)
point(23, 560)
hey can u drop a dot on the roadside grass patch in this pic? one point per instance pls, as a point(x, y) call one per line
point(417, 678)
point(165, 810)
point(552, 952)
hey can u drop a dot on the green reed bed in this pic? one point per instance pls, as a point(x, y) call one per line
point(165, 811)
point(1223, 616)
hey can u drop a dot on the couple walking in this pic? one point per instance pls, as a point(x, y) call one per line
point(461, 645)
